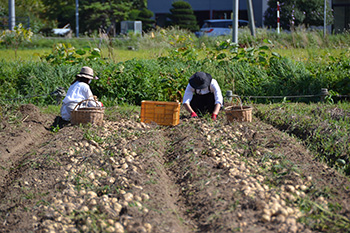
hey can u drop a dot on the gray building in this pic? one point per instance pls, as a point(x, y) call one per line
point(341, 12)
point(210, 9)
point(222, 9)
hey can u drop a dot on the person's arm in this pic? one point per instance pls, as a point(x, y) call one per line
point(187, 99)
point(218, 98)
point(190, 110)
point(217, 109)
point(217, 95)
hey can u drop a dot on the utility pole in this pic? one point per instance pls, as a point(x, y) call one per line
point(235, 21)
point(77, 18)
point(251, 17)
point(12, 15)
point(278, 17)
point(325, 19)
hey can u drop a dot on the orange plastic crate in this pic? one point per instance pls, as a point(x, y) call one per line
point(160, 112)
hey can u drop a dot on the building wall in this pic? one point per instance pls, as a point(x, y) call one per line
point(210, 9)
point(341, 9)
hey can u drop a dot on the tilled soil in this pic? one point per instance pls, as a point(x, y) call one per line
point(198, 176)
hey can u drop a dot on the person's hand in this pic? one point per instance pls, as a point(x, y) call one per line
point(214, 116)
point(194, 115)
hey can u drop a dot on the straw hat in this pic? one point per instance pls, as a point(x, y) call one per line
point(86, 72)
point(200, 80)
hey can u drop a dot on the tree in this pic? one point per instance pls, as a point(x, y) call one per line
point(34, 10)
point(139, 4)
point(296, 13)
point(93, 14)
point(145, 16)
point(63, 11)
point(182, 16)
point(104, 15)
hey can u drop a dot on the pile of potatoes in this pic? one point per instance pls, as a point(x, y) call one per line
point(75, 203)
point(275, 205)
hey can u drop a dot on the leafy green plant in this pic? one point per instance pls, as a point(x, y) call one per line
point(248, 71)
point(14, 38)
point(55, 129)
point(67, 54)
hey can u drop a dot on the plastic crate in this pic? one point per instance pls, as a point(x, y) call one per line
point(160, 112)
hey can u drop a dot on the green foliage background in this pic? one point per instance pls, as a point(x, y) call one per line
point(296, 13)
point(254, 71)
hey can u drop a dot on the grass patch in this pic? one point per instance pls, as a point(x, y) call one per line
point(51, 109)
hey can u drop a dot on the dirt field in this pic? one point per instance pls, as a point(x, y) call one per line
point(199, 176)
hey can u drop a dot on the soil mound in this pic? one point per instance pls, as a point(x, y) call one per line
point(199, 176)
point(31, 112)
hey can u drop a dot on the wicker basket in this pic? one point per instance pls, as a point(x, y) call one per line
point(238, 112)
point(84, 115)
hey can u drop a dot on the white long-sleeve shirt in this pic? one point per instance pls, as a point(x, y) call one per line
point(214, 88)
point(77, 92)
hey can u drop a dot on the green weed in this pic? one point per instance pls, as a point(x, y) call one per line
point(323, 218)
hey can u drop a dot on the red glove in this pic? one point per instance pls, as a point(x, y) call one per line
point(214, 116)
point(194, 115)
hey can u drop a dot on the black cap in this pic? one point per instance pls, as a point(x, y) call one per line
point(200, 80)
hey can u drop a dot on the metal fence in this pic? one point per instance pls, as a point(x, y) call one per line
point(323, 95)
point(4, 22)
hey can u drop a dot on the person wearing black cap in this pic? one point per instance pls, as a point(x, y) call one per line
point(203, 95)
point(78, 91)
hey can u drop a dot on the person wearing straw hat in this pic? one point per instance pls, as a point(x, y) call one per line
point(79, 91)
point(203, 95)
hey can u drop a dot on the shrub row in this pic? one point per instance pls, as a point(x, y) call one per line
point(299, 38)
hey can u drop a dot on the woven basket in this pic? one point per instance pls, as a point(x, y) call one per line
point(84, 115)
point(238, 112)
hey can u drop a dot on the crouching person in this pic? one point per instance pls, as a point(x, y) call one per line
point(203, 95)
point(79, 91)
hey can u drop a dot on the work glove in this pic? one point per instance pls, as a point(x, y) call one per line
point(194, 115)
point(214, 116)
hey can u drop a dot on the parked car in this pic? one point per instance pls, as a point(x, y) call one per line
point(62, 31)
point(219, 27)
